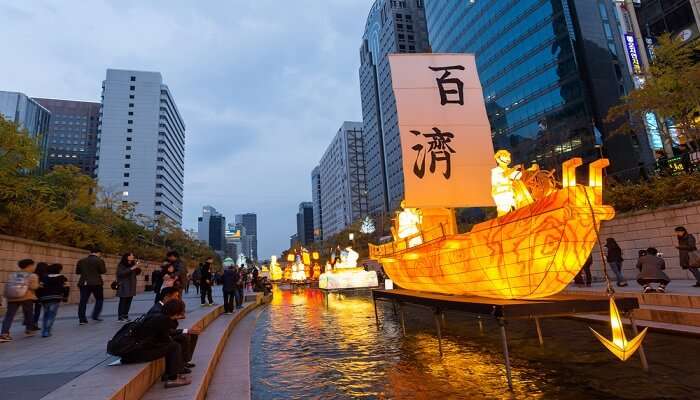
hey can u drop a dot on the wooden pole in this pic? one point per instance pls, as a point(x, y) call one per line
point(642, 354)
point(439, 332)
point(539, 331)
point(506, 356)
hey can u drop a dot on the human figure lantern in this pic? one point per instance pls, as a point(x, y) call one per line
point(346, 274)
point(536, 245)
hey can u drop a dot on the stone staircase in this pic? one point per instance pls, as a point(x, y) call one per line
point(136, 381)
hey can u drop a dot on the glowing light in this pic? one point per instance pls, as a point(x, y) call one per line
point(409, 223)
point(619, 346)
point(290, 257)
point(346, 274)
point(275, 269)
point(507, 189)
point(531, 252)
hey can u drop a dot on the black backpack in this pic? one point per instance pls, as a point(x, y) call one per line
point(125, 340)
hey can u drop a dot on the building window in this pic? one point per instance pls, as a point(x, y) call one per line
point(131, 105)
point(128, 156)
point(128, 139)
point(126, 174)
point(131, 121)
point(131, 113)
point(129, 130)
point(133, 79)
point(127, 165)
point(126, 183)
point(131, 96)
point(128, 147)
point(132, 87)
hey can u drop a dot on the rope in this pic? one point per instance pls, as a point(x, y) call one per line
point(609, 289)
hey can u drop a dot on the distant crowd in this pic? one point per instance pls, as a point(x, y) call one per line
point(650, 263)
point(39, 289)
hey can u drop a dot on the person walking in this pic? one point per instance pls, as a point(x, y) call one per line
point(53, 292)
point(206, 281)
point(651, 270)
point(20, 292)
point(686, 245)
point(40, 271)
point(614, 260)
point(196, 278)
point(127, 271)
point(90, 269)
point(228, 285)
point(585, 269)
point(240, 285)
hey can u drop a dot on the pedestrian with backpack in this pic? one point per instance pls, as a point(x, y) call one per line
point(53, 291)
point(20, 291)
point(90, 270)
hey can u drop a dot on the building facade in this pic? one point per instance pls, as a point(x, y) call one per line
point(248, 224)
point(550, 71)
point(28, 114)
point(392, 27)
point(316, 201)
point(680, 18)
point(141, 144)
point(305, 223)
point(72, 134)
point(211, 229)
point(343, 180)
point(233, 242)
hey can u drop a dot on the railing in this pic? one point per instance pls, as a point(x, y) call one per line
point(428, 235)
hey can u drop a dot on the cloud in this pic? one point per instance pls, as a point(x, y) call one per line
point(262, 86)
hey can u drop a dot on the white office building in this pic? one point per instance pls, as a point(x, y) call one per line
point(340, 182)
point(141, 145)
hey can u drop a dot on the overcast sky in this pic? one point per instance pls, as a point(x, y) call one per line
point(262, 85)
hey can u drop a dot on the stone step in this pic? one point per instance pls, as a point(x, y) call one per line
point(669, 314)
point(686, 300)
point(232, 379)
point(652, 325)
point(126, 382)
point(210, 346)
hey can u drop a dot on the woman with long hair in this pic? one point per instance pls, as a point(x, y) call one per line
point(614, 259)
point(127, 270)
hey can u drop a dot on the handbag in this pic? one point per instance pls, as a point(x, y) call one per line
point(114, 285)
point(694, 259)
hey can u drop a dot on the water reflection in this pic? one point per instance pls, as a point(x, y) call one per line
point(308, 347)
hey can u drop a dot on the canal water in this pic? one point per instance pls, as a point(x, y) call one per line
point(306, 346)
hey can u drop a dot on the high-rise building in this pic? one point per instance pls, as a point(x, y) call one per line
point(249, 222)
point(305, 223)
point(343, 180)
point(316, 200)
point(293, 241)
point(72, 134)
point(680, 18)
point(392, 27)
point(141, 143)
point(233, 242)
point(550, 71)
point(28, 114)
point(211, 228)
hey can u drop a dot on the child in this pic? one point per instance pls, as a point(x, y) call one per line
point(20, 292)
point(52, 293)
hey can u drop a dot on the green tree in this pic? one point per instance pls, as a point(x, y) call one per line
point(671, 90)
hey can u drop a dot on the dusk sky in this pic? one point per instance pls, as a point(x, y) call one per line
point(262, 85)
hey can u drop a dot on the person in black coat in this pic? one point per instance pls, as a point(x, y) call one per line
point(127, 271)
point(41, 272)
point(54, 290)
point(91, 269)
point(206, 281)
point(228, 286)
point(585, 269)
point(614, 259)
point(187, 338)
point(154, 341)
point(686, 244)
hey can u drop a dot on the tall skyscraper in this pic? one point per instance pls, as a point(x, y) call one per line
point(680, 18)
point(28, 114)
point(211, 228)
point(250, 222)
point(141, 143)
point(392, 27)
point(316, 200)
point(234, 246)
point(550, 71)
point(72, 134)
point(305, 223)
point(343, 181)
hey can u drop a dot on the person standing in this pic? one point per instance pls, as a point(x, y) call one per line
point(614, 259)
point(196, 278)
point(157, 280)
point(586, 268)
point(90, 269)
point(205, 282)
point(54, 290)
point(687, 244)
point(127, 271)
point(240, 284)
point(228, 286)
point(40, 271)
point(651, 270)
point(20, 292)
point(180, 268)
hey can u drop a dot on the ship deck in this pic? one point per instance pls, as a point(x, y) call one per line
point(502, 310)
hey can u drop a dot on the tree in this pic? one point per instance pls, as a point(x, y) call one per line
point(671, 90)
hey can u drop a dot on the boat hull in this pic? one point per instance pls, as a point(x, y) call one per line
point(530, 253)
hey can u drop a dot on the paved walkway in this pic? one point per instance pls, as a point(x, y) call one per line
point(31, 367)
point(675, 287)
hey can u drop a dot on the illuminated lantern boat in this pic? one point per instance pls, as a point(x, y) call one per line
point(346, 274)
point(528, 253)
point(275, 269)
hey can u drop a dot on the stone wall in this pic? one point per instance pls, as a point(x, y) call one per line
point(13, 249)
point(642, 229)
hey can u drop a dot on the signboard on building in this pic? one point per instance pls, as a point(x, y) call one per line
point(445, 133)
point(633, 53)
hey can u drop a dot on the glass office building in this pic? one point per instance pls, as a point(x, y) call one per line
point(550, 71)
point(28, 114)
point(392, 27)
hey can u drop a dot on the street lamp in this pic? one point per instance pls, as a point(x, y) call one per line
point(351, 236)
